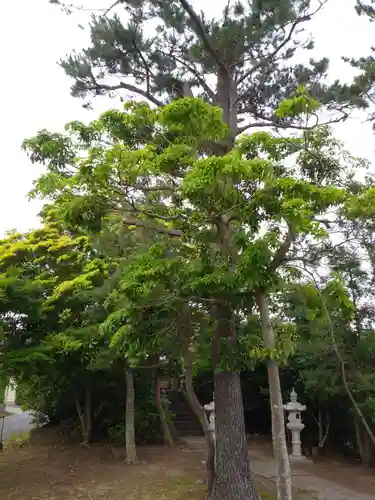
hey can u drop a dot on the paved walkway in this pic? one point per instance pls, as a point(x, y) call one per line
point(17, 423)
point(303, 480)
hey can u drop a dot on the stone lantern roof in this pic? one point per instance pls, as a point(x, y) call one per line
point(294, 405)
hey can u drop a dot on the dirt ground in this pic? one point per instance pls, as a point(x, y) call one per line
point(59, 472)
point(44, 470)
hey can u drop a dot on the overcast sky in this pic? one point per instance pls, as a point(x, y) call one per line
point(35, 92)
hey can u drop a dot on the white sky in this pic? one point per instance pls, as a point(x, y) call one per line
point(35, 91)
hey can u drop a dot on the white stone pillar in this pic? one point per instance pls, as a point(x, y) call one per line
point(10, 393)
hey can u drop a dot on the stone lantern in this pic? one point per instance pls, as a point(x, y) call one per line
point(210, 409)
point(295, 425)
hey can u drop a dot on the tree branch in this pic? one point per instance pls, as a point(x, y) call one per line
point(242, 129)
point(274, 52)
point(202, 34)
point(283, 249)
point(194, 72)
point(127, 86)
point(298, 21)
point(146, 66)
point(175, 233)
point(111, 7)
point(166, 218)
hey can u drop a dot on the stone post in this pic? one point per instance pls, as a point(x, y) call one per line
point(10, 393)
point(295, 425)
point(210, 409)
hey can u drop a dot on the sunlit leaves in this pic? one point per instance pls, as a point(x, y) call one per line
point(193, 119)
point(301, 103)
point(213, 223)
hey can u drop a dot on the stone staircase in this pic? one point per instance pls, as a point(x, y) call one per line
point(185, 421)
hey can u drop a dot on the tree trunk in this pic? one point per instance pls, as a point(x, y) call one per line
point(226, 95)
point(167, 434)
point(280, 450)
point(185, 335)
point(88, 411)
point(131, 450)
point(233, 479)
point(324, 427)
point(202, 417)
point(364, 444)
point(85, 416)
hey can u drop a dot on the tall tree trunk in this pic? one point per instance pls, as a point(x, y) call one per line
point(233, 479)
point(167, 434)
point(226, 95)
point(283, 478)
point(131, 450)
point(202, 417)
point(365, 448)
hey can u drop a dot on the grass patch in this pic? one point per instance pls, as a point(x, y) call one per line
point(173, 488)
point(266, 495)
point(17, 440)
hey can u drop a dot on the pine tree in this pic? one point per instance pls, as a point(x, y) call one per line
point(241, 62)
point(360, 92)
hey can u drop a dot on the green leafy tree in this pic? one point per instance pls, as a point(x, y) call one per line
point(48, 316)
point(235, 217)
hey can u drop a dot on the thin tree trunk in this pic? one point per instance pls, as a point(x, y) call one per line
point(88, 411)
point(83, 421)
point(131, 450)
point(202, 417)
point(320, 427)
point(233, 479)
point(167, 434)
point(283, 479)
point(342, 364)
point(323, 429)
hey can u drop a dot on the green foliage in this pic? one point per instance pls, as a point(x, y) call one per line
point(207, 213)
point(172, 232)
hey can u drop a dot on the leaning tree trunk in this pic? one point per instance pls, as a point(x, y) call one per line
point(233, 479)
point(131, 450)
point(202, 417)
point(185, 336)
point(283, 478)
